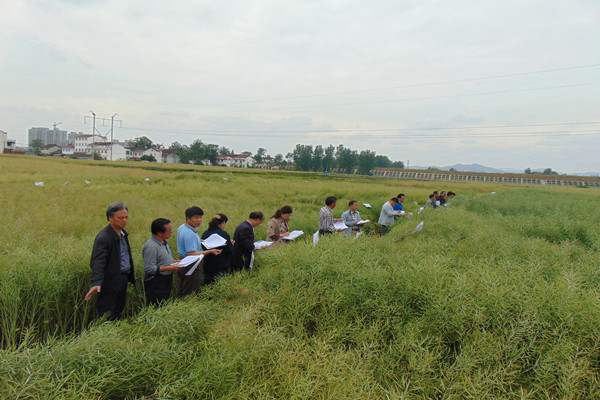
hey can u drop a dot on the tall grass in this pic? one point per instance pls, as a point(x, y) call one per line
point(487, 302)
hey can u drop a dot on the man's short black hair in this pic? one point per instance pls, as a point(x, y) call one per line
point(394, 199)
point(330, 200)
point(257, 215)
point(352, 202)
point(159, 226)
point(401, 195)
point(190, 212)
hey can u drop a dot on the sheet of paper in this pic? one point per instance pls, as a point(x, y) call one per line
point(261, 243)
point(189, 260)
point(251, 261)
point(191, 271)
point(421, 209)
point(367, 205)
point(339, 225)
point(364, 221)
point(315, 238)
point(293, 235)
point(357, 235)
point(214, 241)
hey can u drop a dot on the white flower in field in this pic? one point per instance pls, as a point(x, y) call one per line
point(38, 183)
point(86, 182)
point(147, 179)
point(226, 179)
point(419, 227)
point(493, 193)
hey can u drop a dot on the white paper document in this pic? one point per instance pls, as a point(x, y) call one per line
point(363, 221)
point(261, 243)
point(191, 260)
point(251, 261)
point(339, 225)
point(315, 238)
point(214, 241)
point(293, 235)
point(367, 205)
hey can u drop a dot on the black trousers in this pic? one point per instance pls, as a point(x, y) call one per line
point(112, 300)
point(158, 288)
point(190, 283)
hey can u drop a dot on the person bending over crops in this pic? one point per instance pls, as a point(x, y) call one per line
point(326, 217)
point(112, 264)
point(243, 238)
point(188, 244)
point(216, 265)
point(278, 225)
point(158, 263)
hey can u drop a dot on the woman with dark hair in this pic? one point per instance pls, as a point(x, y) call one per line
point(216, 265)
point(278, 224)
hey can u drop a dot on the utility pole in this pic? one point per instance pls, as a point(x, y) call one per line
point(104, 121)
point(112, 122)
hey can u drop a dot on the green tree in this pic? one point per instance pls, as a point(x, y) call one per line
point(97, 156)
point(398, 164)
point(141, 142)
point(347, 158)
point(260, 154)
point(182, 152)
point(382, 162)
point(225, 151)
point(36, 146)
point(366, 162)
point(329, 158)
point(302, 155)
point(317, 158)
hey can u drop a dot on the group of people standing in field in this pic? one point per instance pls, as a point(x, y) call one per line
point(112, 263)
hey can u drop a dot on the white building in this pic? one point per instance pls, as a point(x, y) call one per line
point(169, 156)
point(110, 151)
point(3, 140)
point(235, 160)
point(137, 153)
point(83, 141)
point(68, 150)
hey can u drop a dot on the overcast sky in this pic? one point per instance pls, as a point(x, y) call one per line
point(511, 83)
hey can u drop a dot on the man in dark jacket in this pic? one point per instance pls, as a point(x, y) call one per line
point(243, 238)
point(112, 264)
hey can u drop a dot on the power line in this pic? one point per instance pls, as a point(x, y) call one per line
point(287, 131)
point(407, 86)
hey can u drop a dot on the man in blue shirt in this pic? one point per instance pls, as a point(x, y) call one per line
point(188, 244)
point(399, 206)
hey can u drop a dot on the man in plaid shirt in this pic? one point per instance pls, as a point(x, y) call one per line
point(326, 217)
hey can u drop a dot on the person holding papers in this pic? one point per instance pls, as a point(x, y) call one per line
point(386, 218)
point(217, 265)
point(278, 225)
point(351, 217)
point(158, 263)
point(326, 217)
point(188, 244)
point(112, 264)
point(243, 241)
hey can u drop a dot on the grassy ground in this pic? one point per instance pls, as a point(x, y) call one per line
point(496, 298)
